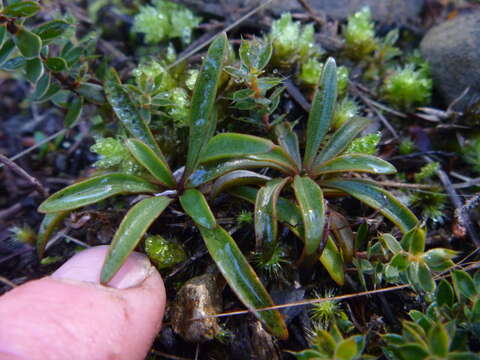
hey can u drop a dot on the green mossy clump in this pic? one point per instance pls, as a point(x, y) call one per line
point(359, 34)
point(164, 253)
point(23, 234)
point(365, 145)
point(114, 156)
point(292, 42)
point(165, 20)
point(408, 87)
point(311, 70)
point(346, 109)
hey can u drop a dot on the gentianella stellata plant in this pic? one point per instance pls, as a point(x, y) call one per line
point(160, 181)
point(325, 169)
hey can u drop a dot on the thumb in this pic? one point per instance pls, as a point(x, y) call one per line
point(69, 315)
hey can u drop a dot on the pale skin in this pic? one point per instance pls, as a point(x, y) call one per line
point(68, 315)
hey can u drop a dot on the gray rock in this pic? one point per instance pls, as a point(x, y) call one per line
point(385, 11)
point(453, 52)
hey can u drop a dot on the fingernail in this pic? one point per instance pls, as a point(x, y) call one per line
point(87, 265)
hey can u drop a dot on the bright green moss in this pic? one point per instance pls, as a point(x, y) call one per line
point(153, 75)
point(408, 87)
point(427, 171)
point(164, 253)
point(114, 156)
point(346, 109)
point(365, 145)
point(324, 312)
point(407, 146)
point(311, 70)
point(432, 204)
point(165, 20)
point(23, 234)
point(359, 35)
point(180, 108)
point(245, 218)
point(291, 41)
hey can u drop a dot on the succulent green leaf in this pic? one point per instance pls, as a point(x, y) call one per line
point(378, 199)
point(288, 140)
point(439, 259)
point(51, 30)
point(74, 112)
point(444, 294)
point(321, 114)
point(310, 200)
point(15, 63)
point(414, 240)
point(425, 279)
point(476, 280)
point(34, 70)
point(237, 178)
point(412, 352)
point(355, 163)
point(255, 54)
point(307, 354)
point(278, 158)
point(133, 226)
point(41, 86)
point(56, 64)
point(463, 283)
point(347, 349)
point(3, 34)
point(231, 145)
point(52, 90)
point(341, 139)
point(392, 244)
point(94, 190)
point(151, 161)
point(22, 9)
point(49, 224)
point(202, 123)
point(332, 260)
point(266, 226)
point(93, 93)
point(400, 261)
point(128, 113)
point(343, 233)
point(242, 278)
point(212, 171)
point(361, 237)
point(5, 51)
point(28, 43)
point(195, 205)
point(438, 341)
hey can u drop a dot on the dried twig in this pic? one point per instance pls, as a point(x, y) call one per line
point(37, 145)
point(320, 19)
point(8, 212)
point(297, 95)
point(7, 282)
point(445, 274)
point(365, 99)
point(228, 28)
point(463, 217)
point(21, 172)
